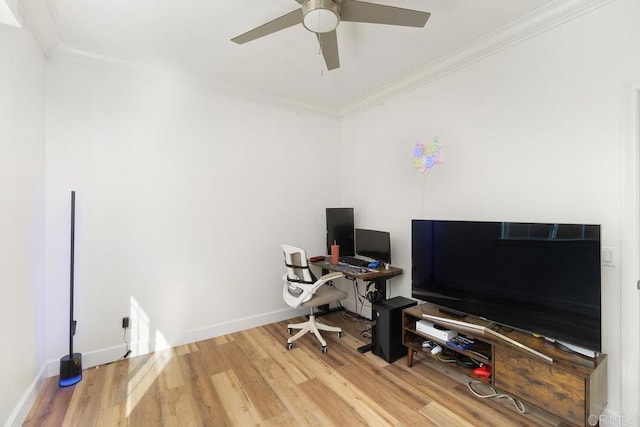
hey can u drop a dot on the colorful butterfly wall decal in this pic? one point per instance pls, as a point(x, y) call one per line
point(428, 155)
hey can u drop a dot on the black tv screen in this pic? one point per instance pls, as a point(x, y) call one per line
point(539, 278)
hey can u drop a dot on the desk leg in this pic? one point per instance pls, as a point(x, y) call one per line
point(366, 347)
point(381, 286)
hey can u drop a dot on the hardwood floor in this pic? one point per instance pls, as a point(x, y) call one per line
point(250, 378)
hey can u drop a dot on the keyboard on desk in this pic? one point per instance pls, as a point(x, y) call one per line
point(354, 261)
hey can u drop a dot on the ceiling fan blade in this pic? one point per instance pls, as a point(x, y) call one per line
point(358, 11)
point(285, 21)
point(329, 47)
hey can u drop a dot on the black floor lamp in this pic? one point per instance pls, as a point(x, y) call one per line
point(71, 364)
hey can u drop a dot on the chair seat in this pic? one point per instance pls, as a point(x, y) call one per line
point(325, 295)
point(300, 288)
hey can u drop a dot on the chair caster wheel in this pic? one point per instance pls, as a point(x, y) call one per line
point(289, 346)
point(289, 331)
point(340, 334)
point(324, 348)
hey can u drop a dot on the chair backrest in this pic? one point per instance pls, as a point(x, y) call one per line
point(299, 280)
point(299, 283)
point(298, 269)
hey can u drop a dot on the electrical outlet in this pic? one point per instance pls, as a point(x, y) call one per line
point(125, 322)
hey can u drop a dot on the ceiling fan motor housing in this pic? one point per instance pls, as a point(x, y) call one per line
point(320, 16)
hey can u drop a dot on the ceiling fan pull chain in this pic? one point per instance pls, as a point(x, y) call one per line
point(320, 56)
point(320, 49)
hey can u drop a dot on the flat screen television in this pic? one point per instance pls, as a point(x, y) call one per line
point(539, 278)
point(374, 244)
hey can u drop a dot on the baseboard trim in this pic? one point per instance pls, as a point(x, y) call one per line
point(103, 356)
point(21, 411)
point(91, 359)
point(237, 325)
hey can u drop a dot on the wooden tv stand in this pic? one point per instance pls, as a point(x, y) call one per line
point(571, 386)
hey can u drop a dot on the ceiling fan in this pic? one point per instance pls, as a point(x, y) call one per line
point(323, 16)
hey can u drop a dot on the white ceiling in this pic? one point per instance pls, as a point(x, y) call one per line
point(192, 37)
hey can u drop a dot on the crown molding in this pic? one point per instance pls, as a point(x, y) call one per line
point(66, 53)
point(538, 22)
point(38, 17)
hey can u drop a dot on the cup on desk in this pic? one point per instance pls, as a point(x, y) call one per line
point(335, 253)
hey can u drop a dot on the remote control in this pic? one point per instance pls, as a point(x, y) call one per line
point(435, 350)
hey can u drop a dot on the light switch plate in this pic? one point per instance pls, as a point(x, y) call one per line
point(609, 257)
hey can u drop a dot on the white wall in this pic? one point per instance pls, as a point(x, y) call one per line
point(184, 195)
point(21, 219)
point(183, 198)
point(532, 133)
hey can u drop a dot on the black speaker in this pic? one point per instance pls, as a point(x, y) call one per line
point(386, 334)
point(340, 229)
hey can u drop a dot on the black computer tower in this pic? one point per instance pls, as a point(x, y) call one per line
point(386, 339)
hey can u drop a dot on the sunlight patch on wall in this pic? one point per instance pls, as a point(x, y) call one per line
point(145, 376)
point(140, 328)
point(142, 331)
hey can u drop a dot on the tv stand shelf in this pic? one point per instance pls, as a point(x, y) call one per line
point(415, 339)
point(570, 386)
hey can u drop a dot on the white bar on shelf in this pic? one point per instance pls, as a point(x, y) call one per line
point(489, 331)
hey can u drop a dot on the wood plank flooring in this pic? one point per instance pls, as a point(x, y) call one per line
point(250, 378)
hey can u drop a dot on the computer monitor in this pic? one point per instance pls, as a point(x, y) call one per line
point(340, 230)
point(373, 244)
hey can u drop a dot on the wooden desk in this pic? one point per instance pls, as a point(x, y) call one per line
point(378, 276)
point(371, 275)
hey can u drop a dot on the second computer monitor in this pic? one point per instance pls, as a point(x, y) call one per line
point(340, 230)
point(373, 244)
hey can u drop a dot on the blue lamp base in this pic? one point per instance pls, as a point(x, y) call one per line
point(70, 369)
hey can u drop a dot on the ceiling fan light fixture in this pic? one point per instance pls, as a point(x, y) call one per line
point(320, 16)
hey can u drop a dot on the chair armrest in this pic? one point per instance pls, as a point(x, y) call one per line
point(308, 289)
point(330, 276)
point(321, 281)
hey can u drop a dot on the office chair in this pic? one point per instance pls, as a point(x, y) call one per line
point(301, 288)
